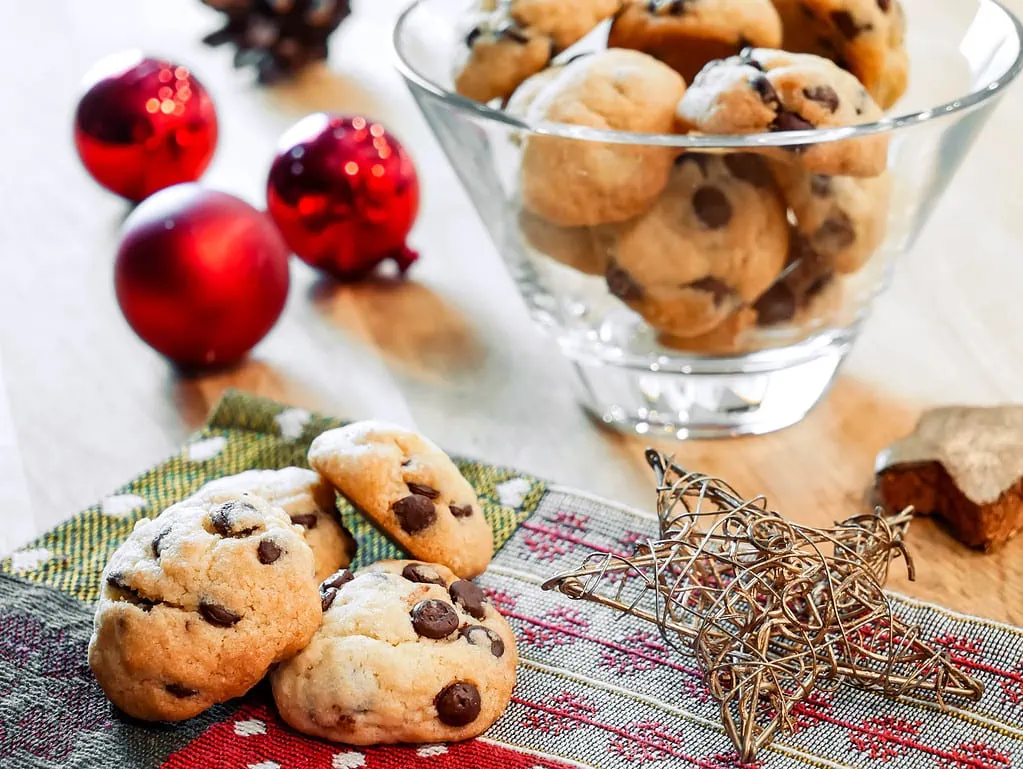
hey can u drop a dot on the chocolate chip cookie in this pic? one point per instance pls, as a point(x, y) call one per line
point(510, 40)
point(198, 603)
point(844, 218)
point(763, 90)
point(407, 652)
point(306, 497)
point(686, 34)
point(866, 37)
point(584, 249)
point(713, 241)
point(575, 183)
point(410, 489)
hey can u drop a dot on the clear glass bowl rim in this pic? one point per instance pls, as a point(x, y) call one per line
point(708, 141)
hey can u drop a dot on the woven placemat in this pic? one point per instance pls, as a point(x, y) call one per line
point(594, 690)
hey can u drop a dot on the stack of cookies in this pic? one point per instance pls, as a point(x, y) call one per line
point(704, 246)
point(248, 578)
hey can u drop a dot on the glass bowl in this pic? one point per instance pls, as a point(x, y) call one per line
point(765, 365)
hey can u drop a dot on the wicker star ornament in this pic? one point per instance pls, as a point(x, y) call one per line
point(771, 610)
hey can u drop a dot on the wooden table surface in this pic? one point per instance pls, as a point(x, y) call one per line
point(84, 405)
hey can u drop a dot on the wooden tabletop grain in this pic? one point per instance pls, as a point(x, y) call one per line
point(84, 405)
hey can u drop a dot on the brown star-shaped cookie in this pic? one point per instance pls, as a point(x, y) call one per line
point(963, 464)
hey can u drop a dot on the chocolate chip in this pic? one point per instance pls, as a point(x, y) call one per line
point(884, 5)
point(678, 7)
point(777, 305)
point(180, 691)
point(463, 511)
point(473, 36)
point(837, 232)
point(509, 31)
point(419, 572)
point(846, 24)
point(750, 168)
point(268, 552)
point(458, 704)
point(699, 159)
point(434, 619)
point(130, 594)
point(308, 520)
point(790, 121)
point(223, 515)
point(477, 635)
point(718, 288)
point(807, 11)
point(338, 579)
point(423, 490)
point(158, 541)
point(712, 207)
point(468, 595)
point(621, 284)
point(820, 186)
point(327, 597)
point(823, 94)
point(218, 615)
point(819, 285)
point(415, 513)
point(766, 91)
point(749, 61)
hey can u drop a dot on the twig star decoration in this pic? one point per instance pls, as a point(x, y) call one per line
point(771, 610)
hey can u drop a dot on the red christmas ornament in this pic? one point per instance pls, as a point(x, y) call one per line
point(201, 276)
point(344, 194)
point(144, 124)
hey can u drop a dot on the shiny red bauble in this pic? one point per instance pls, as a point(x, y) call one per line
point(201, 276)
point(345, 195)
point(143, 125)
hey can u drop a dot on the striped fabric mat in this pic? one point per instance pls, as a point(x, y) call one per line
point(594, 689)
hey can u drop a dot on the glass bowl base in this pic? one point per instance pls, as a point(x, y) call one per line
point(684, 406)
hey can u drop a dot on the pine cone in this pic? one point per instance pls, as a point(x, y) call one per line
point(277, 37)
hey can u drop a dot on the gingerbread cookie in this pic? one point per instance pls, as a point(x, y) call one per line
point(306, 497)
point(713, 241)
point(844, 218)
point(575, 183)
point(510, 40)
point(964, 464)
point(866, 37)
point(764, 90)
point(407, 652)
point(198, 603)
point(584, 249)
point(686, 35)
point(411, 489)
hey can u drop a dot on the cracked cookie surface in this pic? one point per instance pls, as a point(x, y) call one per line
point(306, 497)
point(411, 489)
point(407, 652)
point(198, 603)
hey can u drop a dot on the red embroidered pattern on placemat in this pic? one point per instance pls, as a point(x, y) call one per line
point(255, 738)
